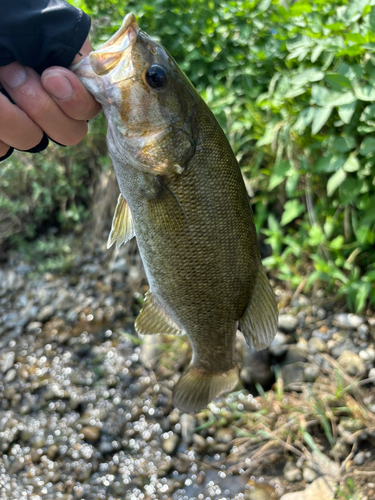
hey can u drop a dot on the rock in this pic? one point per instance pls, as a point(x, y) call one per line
point(46, 313)
point(320, 489)
point(339, 347)
point(187, 422)
point(367, 355)
point(10, 375)
point(300, 301)
point(352, 364)
point(339, 450)
point(317, 345)
point(91, 433)
point(65, 301)
point(170, 444)
point(224, 435)
point(34, 327)
point(120, 265)
point(371, 374)
point(363, 331)
point(309, 475)
point(199, 442)
point(8, 361)
point(291, 473)
point(359, 458)
point(349, 321)
point(288, 323)
point(311, 372)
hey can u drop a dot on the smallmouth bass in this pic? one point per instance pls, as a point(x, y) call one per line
point(184, 198)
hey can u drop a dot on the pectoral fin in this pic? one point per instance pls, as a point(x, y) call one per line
point(122, 224)
point(259, 322)
point(164, 208)
point(153, 319)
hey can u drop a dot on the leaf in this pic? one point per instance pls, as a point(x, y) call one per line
point(365, 93)
point(304, 119)
point(352, 164)
point(368, 113)
point(279, 173)
point(309, 75)
point(264, 5)
point(367, 146)
point(325, 97)
point(316, 52)
point(329, 163)
point(362, 295)
point(335, 181)
point(320, 117)
point(338, 81)
point(292, 209)
point(372, 21)
point(344, 144)
point(346, 111)
point(269, 134)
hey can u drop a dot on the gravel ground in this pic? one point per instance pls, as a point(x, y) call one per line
point(85, 405)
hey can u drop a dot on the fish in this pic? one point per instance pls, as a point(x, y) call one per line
point(183, 197)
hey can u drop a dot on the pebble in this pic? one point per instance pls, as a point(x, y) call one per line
point(91, 433)
point(8, 361)
point(367, 355)
point(352, 364)
point(46, 313)
point(309, 475)
point(187, 423)
point(291, 473)
point(320, 489)
point(345, 320)
point(288, 323)
point(371, 374)
point(316, 345)
point(34, 327)
point(311, 373)
point(170, 444)
point(359, 458)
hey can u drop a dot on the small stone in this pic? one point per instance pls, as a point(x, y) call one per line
point(300, 301)
point(345, 320)
point(352, 364)
point(288, 323)
point(199, 442)
point(34, 327)
point(105, 447)
point(339, 347)
point(52, 452)
point(224, 435)
point(291, 473)
point(371, 374)
point(10, 375)
point(367, 354)
point(321, 313)
point(316, 345)
point(309, 475)
point(339, 450)
point(46, 313)
point(120, 265)
point(187, 422)
point(311, 372)
point(320, 489)
point(8, 361)
point(91, 433)
point(359, 458)
point(363, 331)
point(170, 444)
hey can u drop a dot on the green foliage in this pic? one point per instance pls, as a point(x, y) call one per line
point(293, 85)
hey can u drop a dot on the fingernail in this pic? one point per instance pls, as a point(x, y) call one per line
point(13, 75)
point(58, 86)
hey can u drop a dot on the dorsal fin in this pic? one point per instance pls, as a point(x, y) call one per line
point(153, 319)
point(259, 321)
point(122, 224)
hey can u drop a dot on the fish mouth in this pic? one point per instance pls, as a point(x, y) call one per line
point(113, 59)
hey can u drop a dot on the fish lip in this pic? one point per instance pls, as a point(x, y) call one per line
point(123, 40)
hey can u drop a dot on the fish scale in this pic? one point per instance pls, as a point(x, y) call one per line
point(184, 199)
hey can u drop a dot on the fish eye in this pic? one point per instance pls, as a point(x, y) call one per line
point(156, 76)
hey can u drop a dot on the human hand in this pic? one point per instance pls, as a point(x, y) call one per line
point(56, 103)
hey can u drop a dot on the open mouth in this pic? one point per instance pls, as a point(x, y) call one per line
point(113, 57)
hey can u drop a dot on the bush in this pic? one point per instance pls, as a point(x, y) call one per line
point(293, 85)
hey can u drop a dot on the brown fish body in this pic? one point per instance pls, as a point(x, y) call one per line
point(189, 210)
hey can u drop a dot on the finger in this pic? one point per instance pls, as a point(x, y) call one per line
point(16, 128)
point(24, 87)
point(4, 148)
point(70, 94)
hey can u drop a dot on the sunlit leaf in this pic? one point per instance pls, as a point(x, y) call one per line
point(335, 181)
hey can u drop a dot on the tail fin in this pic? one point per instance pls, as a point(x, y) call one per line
point(196, 388)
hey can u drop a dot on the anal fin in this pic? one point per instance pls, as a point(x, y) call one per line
point(259, 321)
point(153, 319)
point(122, 224)
point(196, 388)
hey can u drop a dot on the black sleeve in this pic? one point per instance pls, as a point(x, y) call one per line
point(41, 33)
